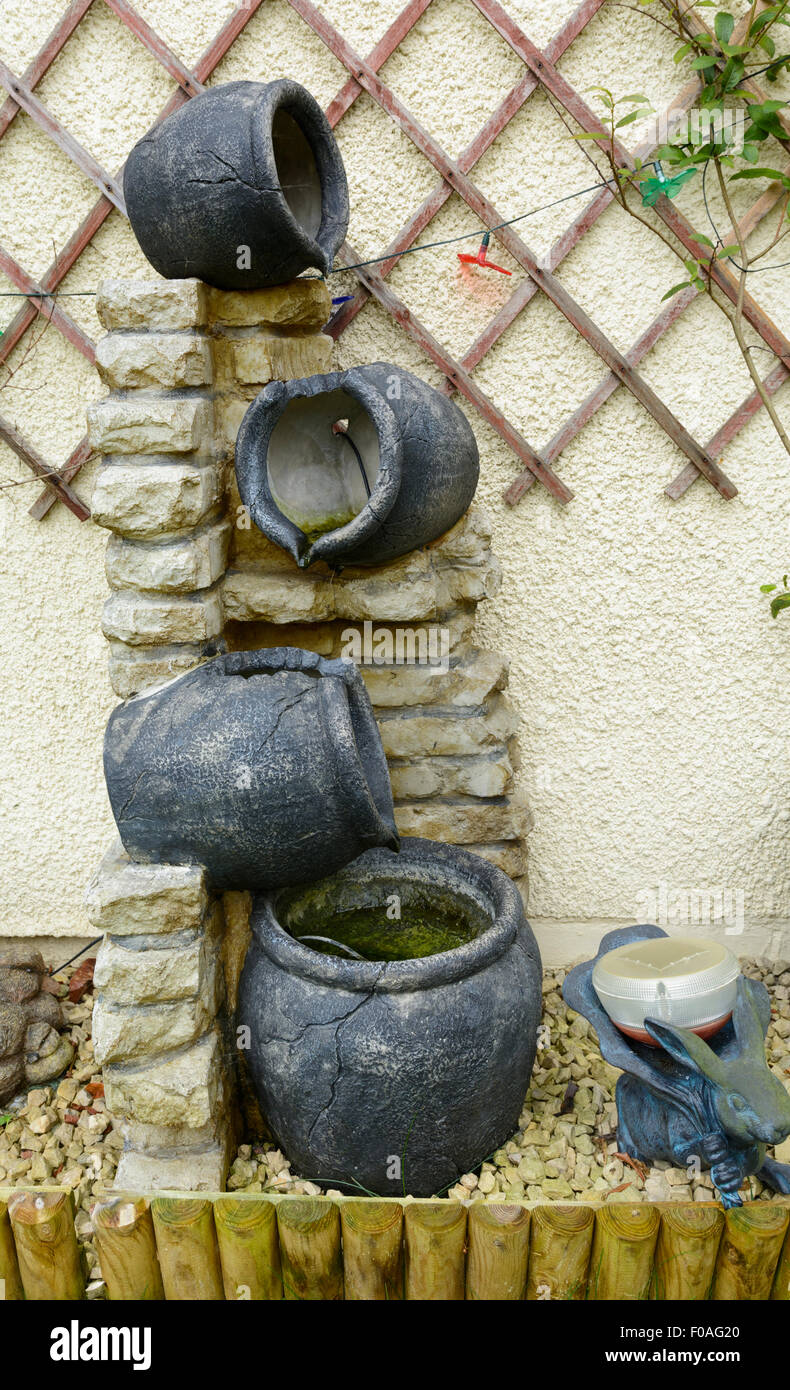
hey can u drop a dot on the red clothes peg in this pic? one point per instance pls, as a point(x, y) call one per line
point(482, 257)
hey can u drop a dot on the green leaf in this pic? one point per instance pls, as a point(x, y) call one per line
point(767, 588)
point(778, 603)
point(750, 152)
point(4, 1119)
point(723, 26)
point(681, 52)
point(765, 107)
point(675, 290)
point(626, 120)
point(761, 173)
point(732, 250)
point(635, 96)
point(707, 61)
point(735, 74)
point(767, 44)
point(762, 19)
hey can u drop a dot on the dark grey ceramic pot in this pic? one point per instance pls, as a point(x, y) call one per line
point(398, 1075)
point(246, 165)
point(399, 471)
point(266, 767)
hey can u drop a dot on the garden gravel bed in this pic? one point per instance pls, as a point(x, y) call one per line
point(565, 1149)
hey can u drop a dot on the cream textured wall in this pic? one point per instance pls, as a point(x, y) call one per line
point(650, 677)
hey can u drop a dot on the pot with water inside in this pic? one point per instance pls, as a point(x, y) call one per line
point(393, 1011)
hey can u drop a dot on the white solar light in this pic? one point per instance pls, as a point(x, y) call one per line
point(685, 981)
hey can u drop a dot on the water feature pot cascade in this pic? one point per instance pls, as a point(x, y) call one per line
point(243, 187)
point(266, 767)
point(393, 1011)
point(355, 467)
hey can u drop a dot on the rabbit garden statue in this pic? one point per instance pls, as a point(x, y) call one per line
point(715, 1100)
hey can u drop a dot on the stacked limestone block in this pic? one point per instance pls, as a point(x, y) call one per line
point(449, 729)
point(157, 1030)
point(182, 362)
point(190, 576)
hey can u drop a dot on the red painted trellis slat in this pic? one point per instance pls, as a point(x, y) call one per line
point(45, 57)
point(52, 127)
point(466, 161)
point(489, 215)
point(596, 398)
point(24, 451)
point(157, 47)
point(666, 210)
point(540, 71)
point(84, 234)
point(49, 308)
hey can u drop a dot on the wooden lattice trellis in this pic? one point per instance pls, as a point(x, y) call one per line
point(454, 177)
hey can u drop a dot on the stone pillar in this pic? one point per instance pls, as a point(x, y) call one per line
point(182, 362)
point(157, 1030)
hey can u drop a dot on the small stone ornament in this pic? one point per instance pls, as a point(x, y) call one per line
point(243, 187)
point(716, 1101)
point(32, 1050)
point(356, 467)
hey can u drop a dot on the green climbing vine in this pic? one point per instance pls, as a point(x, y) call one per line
point(727, 57)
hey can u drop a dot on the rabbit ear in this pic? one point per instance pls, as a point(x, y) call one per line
point(746, 1018)
point(688, 1049)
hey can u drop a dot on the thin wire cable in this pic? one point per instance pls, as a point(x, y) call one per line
point(744, 269)
point(410, 250)
point(358, 457)
point(468, 236)
point(77, 956)
point(357, 265)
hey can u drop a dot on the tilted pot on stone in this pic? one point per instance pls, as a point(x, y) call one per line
point(243, 187)
point(355, 467)
point(266, 767)
point(393, 1012)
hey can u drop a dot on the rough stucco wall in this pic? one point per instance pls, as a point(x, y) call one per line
point(648, 673)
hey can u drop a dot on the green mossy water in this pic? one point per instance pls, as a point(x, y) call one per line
point(369, 932)
point(315, 526)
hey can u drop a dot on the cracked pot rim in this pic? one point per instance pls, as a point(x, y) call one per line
point(359, 757)
point(450, 867)
point(252, 447)
point(354, 743)
point(289, 96)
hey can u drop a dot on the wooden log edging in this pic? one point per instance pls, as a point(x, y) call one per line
point(50, 1265)
point(686, 1252)
point(10, 1279)
point(126, 1243)
point(268, 1246)
point(186, 1242)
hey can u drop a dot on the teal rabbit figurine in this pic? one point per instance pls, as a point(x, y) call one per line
point(716, 1102)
